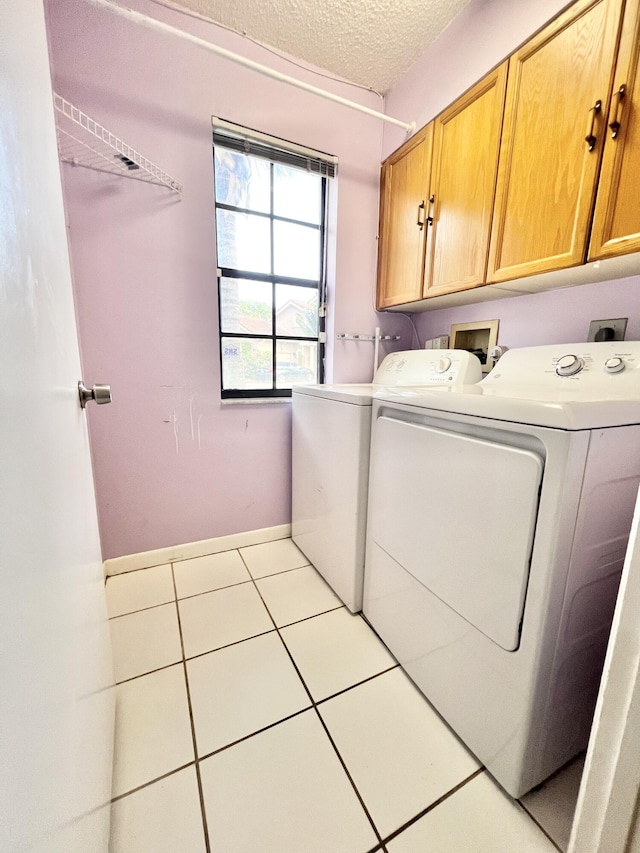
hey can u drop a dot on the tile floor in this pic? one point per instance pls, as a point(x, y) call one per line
point(255, 714)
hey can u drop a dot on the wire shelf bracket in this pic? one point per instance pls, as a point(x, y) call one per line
point(84, 142)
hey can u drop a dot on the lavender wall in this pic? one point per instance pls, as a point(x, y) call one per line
point(560, 316)
point(172, 464)
point(482, 35)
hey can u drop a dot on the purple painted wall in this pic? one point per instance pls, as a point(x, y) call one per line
point(482, 35)
point(172, 464)
point(556, 317)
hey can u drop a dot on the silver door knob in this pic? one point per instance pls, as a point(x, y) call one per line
point(100, 393)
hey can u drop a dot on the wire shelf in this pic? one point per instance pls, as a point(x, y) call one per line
point(84, 142)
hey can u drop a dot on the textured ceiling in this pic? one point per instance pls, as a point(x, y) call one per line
point(371, 42)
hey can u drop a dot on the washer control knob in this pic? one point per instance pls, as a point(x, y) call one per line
point(443, 364)
point(568, 365)
point(614, 365)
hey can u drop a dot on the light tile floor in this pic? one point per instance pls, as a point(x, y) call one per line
point(255, 714)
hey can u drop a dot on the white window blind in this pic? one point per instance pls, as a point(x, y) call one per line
point(257, 144)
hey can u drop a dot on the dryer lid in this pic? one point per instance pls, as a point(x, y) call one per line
point(422, 368)
point(357, 395)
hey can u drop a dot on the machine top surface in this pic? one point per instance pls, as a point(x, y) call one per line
point(566, 386)
point(417, 368)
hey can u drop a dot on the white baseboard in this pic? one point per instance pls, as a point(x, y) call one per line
point(146, 559)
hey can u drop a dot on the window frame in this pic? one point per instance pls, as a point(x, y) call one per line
point(272, 279)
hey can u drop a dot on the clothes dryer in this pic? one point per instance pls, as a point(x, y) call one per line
point(498, 521)
point(330, 460)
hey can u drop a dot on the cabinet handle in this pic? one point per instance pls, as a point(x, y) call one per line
point(432, 199)
point(420, 223)
point(590, 138)
point(615, 113)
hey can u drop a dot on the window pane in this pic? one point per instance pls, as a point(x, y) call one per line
point(246, 306)
point(296, 363)
point(296, 311)
point(296, 250)
point(242, 181)
point(296, 194)
point(246, 364)
point(243, 241)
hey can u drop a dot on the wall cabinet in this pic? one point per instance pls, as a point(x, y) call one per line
point(552, 142)
point(462, 185)
point(436, 205)
point(616, 221)
point(403, 199)
point(544, 187)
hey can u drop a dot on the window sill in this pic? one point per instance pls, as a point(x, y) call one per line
point(251, 401)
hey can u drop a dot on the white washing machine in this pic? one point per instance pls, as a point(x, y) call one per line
point(330, 460)
point(498, 522)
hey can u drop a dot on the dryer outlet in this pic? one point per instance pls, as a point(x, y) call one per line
point(607, 330)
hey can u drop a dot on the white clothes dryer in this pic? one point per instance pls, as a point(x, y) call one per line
point(498, 522)
point(330, 460)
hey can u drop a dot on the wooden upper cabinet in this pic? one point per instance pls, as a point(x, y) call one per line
point(462, 188)
point(548, 171)
point(403, 199)
point(616, 223)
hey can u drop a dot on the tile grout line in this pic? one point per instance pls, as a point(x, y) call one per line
point(205, 828)
point(151, 782)
point(310, 707)
point(140, 610)
point(319, 716)
point(253, 734)
point(186, 559)
point(279, 572)
point(148, 672)
point(535, 820)
point(348, 774)
point(357, 684)
point(433, 805)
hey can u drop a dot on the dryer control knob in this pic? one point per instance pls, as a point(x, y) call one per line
point(568, 365)
point(443, 364)
point(614, 365)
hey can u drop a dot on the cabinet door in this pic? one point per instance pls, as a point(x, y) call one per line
point(463, 178)
point(616, 223)
point(403, 196)
point(548, 171)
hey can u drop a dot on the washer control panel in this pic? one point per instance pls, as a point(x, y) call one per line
point(609, 369)
point(429, 367)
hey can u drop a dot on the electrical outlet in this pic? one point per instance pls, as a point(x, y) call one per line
point(607, 330)
point(441, 342)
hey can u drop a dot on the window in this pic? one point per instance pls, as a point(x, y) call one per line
point(270, 200)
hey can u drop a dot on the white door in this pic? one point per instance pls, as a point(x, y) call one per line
point(56, 695)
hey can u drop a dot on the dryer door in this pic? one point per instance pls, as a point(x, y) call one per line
point(459, 514)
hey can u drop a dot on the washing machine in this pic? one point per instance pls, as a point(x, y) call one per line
point(330, 460)
point(498, 521)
